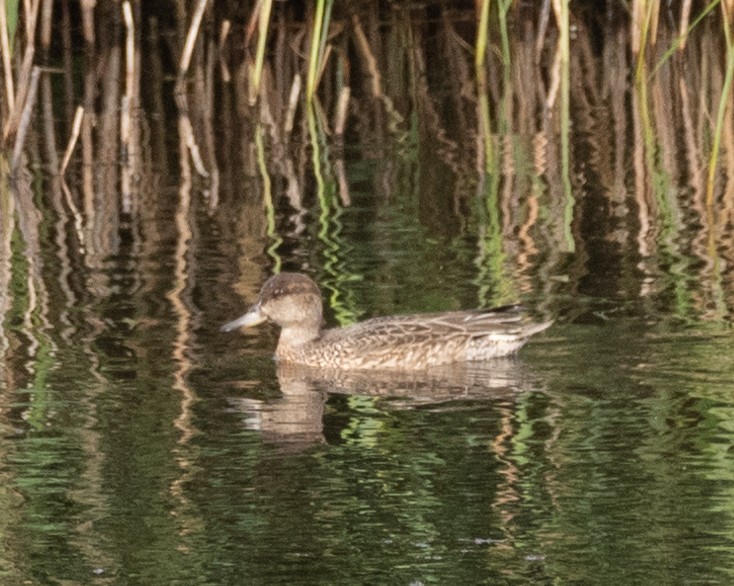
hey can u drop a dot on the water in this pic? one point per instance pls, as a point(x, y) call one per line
point(529, 470)
point(142, 446)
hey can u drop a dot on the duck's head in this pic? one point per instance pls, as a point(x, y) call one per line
point(290, 300)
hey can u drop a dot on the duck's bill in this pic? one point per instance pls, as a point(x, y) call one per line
point(251, 318)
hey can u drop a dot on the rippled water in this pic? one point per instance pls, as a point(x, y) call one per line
point(142, 446)
point(601, 454)
point(140, 452)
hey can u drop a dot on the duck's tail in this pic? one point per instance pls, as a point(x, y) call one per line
point(535, 328)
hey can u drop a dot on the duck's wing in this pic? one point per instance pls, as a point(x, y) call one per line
point(509, 320)
point(438, 337)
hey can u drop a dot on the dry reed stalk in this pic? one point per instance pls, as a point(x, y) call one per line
point(727, 10)
point(542, 29)
point(75, 128)
point(46, 23)
point(292, 103)
point(11, 124)
point(31, 19)
point(129, 49)
point(190, 142)
point(364, 46)
point(188, 49)
point(637, 20)
point(685, 16)
point(47, 129)
point(88, 21)
point(223, 36)
point(654, 20)
point(129, 76)
point(31, 12)
point(6, 57)
point(341, 178)
point(127, 105)
point(25, 118)
point(252, 23)
point(342, 108)
point(27, 8)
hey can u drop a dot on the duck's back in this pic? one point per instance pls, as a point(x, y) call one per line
point(422, 340)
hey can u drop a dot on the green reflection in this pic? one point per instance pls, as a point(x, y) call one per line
point(329, 224)
point(270, 229)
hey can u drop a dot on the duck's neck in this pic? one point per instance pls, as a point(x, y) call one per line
point(292, 339)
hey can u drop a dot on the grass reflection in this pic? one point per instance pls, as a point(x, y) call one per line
point(271, 229)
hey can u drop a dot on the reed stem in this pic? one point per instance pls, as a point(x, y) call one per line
point(318, 39)
point(25, 118)
point(75, 127)
point(6, 56)
point(191, 38)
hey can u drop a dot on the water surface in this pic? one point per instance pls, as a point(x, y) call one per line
point(142, 446)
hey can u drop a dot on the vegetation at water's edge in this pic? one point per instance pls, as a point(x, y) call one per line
point(325, 51)
point(503, 91)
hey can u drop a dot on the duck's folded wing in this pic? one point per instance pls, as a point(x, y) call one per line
point(436, 338)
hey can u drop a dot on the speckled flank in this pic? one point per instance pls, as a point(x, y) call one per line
point(409, 342)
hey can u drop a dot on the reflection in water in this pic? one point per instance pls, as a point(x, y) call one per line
point(297, 416)
point(293, 420)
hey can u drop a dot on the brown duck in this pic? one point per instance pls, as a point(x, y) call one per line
point(404, 342)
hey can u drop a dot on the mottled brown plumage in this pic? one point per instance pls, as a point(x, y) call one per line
point(405, 342)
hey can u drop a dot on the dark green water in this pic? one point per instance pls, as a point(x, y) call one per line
point(142, 446)
point(139, 445)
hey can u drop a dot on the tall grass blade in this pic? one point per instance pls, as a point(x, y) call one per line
point(262, 37)
point(314, 56)
point(480, 57)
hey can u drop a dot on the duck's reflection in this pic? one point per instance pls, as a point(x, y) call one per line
point(295, 419)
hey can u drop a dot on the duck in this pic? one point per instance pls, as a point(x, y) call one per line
point(401, 342)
